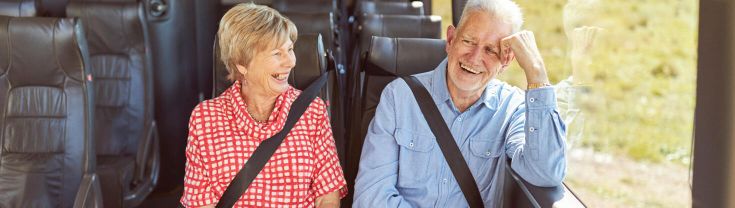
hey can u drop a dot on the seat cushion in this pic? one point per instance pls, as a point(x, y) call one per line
point(116, 174)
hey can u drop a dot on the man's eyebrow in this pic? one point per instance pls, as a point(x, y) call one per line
point(491, 46)
point(467, 37)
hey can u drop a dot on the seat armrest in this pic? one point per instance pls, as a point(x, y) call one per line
point(89, 193)
point(536, 196)
point(147, 169)
point(146, 148)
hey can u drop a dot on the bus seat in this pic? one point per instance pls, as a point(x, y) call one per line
point(47, 154)
point(385, 54)
point(398, 26)
point(125, 131)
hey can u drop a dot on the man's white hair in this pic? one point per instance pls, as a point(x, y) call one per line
point(506, 10)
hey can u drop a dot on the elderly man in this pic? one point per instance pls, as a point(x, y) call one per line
point(491, 121)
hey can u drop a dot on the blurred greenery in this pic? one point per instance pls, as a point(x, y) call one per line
point(642, 75)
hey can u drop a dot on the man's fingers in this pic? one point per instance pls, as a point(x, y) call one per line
point(505, 49)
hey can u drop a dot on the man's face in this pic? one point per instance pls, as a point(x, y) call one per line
point(473, 52)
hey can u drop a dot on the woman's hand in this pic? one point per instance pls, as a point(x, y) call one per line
point(330, 200)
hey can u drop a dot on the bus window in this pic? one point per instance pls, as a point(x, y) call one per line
point(443, 8)
point(625, 76)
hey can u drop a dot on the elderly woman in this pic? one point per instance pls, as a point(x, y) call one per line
point(256, 45)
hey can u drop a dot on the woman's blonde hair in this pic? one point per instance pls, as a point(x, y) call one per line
point(247, 29)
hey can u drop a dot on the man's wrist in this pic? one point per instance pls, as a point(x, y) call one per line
point(537, 85)
point(536, 75)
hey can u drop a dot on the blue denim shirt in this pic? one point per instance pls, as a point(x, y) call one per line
point(402, 166)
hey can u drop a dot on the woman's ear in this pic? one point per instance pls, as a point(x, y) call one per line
point(241, 69)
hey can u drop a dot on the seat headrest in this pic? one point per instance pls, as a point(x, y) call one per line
point(315, 23)
point(305, 6)
point(402, 26)
point(227, 4)
point(404, 56)
point(116, 25)
point(404, 8)
point(311, 62)
point(19, 8)
point(46, 51)
point(53, 8)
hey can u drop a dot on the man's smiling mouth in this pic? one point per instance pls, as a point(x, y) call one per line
point(468, 69)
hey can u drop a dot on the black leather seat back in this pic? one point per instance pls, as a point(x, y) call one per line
point(46, 103)
point(19, 8)
point(53, 8)
point(311, 62)
point(123, 85)
point(386, 59)
point(227, 4)
point(391, 57)
point(404, 8)
point(316, 23)
point(230, 3)
point(305, 6)
point(287, 6)
point(399, 26)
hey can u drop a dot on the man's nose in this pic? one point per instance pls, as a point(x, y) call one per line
point(475, 56)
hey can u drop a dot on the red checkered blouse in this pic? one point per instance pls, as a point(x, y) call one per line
point(222, 136)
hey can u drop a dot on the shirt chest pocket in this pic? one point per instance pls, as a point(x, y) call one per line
point(415, 158)
point(484, 154)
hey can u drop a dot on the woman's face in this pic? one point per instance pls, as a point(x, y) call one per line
point(268, 71)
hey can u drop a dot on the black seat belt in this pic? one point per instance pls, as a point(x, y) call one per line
point(446, 142)
point(265, 150)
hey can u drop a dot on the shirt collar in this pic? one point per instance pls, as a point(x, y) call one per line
point(439, 83)
point(440, 91)
point(277, 118)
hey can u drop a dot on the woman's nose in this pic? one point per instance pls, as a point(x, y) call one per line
point(289, 60)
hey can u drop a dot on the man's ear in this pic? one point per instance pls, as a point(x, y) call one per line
point(450, 36)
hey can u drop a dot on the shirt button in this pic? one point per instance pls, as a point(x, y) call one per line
point(410, 144)
point(532, 99)
point(459, 119)
point(487, 153)
point(531, 129)
point(444, 181)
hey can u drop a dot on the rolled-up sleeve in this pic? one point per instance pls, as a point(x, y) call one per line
point(536, 139)
point(197, 181)
point(375, 185)
point(329, 176)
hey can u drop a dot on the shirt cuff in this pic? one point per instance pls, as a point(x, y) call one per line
point(540, 98)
